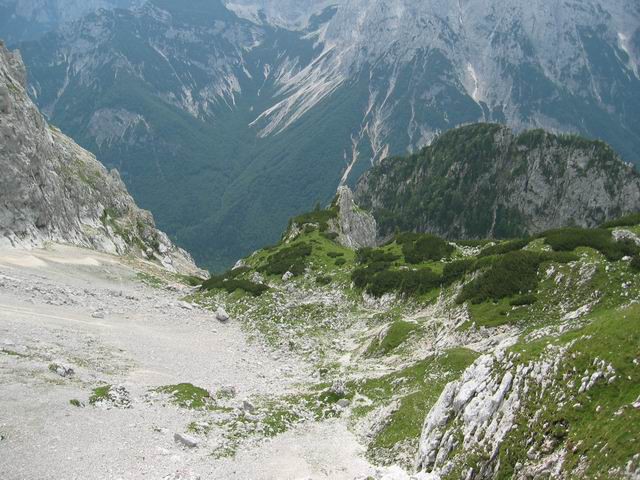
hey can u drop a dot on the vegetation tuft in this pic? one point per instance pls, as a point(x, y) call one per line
point(186, 395)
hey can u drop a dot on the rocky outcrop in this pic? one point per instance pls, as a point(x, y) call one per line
point(355, 227)
point(503, 403)
point(484, 181)
point(51, 189)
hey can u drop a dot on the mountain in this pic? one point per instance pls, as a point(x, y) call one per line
point(227, 119)
point(53, 190)
point(30, 19)
point(485, 181)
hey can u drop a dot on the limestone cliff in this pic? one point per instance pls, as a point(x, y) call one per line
point(51, 189)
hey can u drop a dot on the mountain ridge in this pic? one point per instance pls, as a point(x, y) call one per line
point(485, 181)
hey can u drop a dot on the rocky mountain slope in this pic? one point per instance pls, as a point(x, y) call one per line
point(231, 106)
point(53, 190)
point(484, 181)
point(478, 360)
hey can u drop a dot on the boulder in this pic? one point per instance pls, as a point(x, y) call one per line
point(222, 315)
point(186, 440)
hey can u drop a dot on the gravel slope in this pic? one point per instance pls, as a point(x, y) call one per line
point(89, 311)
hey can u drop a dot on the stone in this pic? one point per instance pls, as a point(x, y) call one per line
point(339, 387)
point(344, 403)
point(62, 370)
point(222, 315)
point(98, 314)
point(228, 391)
point(256, 277)
point(186, 440)
point(248, 407)
point(287, 276)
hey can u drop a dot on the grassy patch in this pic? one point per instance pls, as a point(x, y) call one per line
point(100, 394)
point(504, 247)
point(12, 353)
point(396, 335)
point(151, 280)
point(76, 403)
point(186, 395)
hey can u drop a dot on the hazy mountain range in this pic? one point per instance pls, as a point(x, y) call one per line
point(225, 120)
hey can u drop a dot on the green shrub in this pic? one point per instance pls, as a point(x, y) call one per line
point(523, 300)
point(455, 271)
point(363, 276)
point(418, 248)
point(330, 235)
point(511, 274)
point(230, 282)
point(377, 279)
point(635, 263)
point(626, 221)
point(371, 255)
point(323, 280)
point(418, 282)
point(568, 239)
point(340, 261)
point(335, 254)
point(504, 247)
point(290, 259)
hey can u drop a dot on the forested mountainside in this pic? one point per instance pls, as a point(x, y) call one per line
point(53, 190)
point(485, 181)
point(227, 120)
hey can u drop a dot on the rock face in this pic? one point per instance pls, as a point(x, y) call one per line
point(53, 190)
point(484, 181)
point(355, 227)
